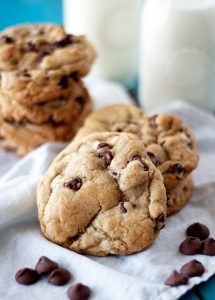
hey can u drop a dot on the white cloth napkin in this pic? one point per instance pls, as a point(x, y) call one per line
point(138, 276)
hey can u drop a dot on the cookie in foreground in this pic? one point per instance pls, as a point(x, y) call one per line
point(102, 195)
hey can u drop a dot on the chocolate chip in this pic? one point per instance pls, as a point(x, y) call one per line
point(114, 173)
point(152, 121)
point(27, 276)
point(45, 265)
point(190, 142)
point(31, 47)
point(25, 73)
point(153, 158)
point(198, 230)
point(42, 54)
point(53, 122)
point(59, 277)
point(74, 76)
point(209, 246)
point(193, 268)
point(160, 222)
point(80, 100)
point(102, 145)
point(176, 168)
point(119, 130)
point(68, 40)
point(138, 157)
point(7, 39)
point(122, 208)
point(10, 121)
point(79, 292)
point(176, 279)
point(75, 184)
point(190, 246)
point(161, 218)
point(64, 83)
point(106, 156)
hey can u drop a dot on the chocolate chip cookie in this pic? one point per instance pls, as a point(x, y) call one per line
point(102, 195)
point(22, 137)
point(178, 197)
point(62, 109)
point(36, 61)
point(169, 143)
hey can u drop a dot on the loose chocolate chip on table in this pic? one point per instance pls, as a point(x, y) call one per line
point(176, 279)
point(152, 121)
point(153, 158)
point(45, 265)
point(80, 100)
point(193, 268)
point(198, 230)
point(209, 246)
point(74, 184)
point(64, 83)
point(7, 39)
point(79, 292)
point(138, 157)
point(106, 156)
point(122, 208)
point(59, 277)
point(191, 246)
point(27, 276)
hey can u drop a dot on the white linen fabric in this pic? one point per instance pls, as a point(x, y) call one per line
point(139, 276)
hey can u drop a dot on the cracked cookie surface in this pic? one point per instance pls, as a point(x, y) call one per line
point(102, 195)
point(35, 58)
point(169, 143)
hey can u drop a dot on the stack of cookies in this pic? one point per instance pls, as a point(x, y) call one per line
point(110, 190)
point(42, 96)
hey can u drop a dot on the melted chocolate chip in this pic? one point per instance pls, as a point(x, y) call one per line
point(209, 246)
point(42, 54)
point(176, 279)
point(119, 130)
point(106, 156)
point(122, 208)
point(153, 158)
point(74, 76)
point(176, 168)
point(31, 47)
point(74, 184)
point(193, 268)
point(139, 158)
point(80, 100)
point(25, 73)
point(190, 142)
point(59, 277)
point(7, 39)
point(68, 40)
point(79, 291)
point(45, 265)
point(102, 145)
point(64, 82)
point(27, 276)
point(198, 230)
point(152, 121)
point(191, 246)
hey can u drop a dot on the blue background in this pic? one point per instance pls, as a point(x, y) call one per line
point(23, 11)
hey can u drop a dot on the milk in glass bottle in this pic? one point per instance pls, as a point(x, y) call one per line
point(113, 28)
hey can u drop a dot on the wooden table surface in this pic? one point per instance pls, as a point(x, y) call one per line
point(22, 11)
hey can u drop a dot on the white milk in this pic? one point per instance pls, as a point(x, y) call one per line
point(112, 26)
point(178, 52)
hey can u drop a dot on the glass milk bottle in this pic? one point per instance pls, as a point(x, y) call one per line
point(177, 53)
point(112, 27)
